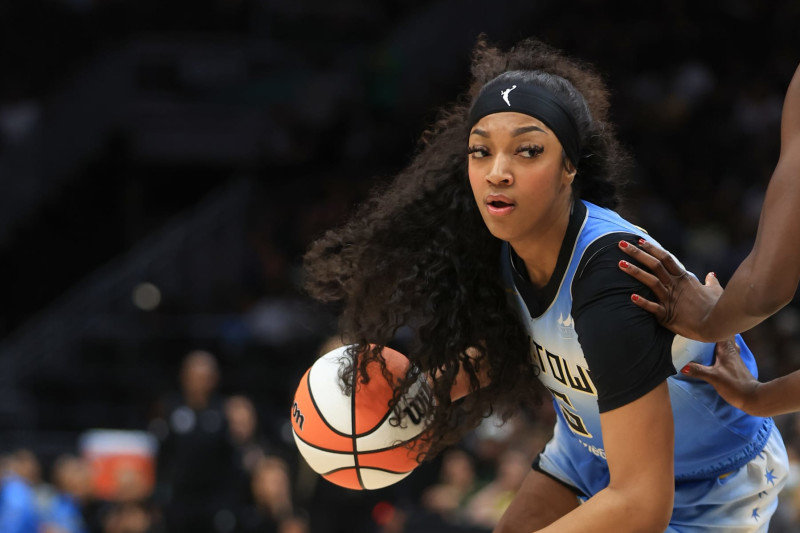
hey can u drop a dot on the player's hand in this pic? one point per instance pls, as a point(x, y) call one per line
point(729, 376)
point(683, 302)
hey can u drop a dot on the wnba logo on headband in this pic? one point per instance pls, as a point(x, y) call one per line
point(505, 94)
point(534, 100)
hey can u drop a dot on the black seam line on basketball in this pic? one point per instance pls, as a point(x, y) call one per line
point(403, 443)
point(319, 411)
point(377, 426)
point(353, 419)
point(366, 468)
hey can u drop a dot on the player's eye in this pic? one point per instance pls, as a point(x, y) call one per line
point(530, 150)
point(477, 152)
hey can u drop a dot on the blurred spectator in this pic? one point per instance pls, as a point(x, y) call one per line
point(133, 518)
point(487, 505)
point(242, 419)
point(64, 512)
point(18, 510)
point(196, 464)
point(272, 509)
point(457, 483)
point(491, 438)
point(25, 464)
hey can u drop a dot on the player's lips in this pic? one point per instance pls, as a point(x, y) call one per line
point(498, 204)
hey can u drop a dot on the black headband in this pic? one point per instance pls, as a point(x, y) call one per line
point(498, 96)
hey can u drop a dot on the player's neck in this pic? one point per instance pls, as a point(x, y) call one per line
point(540, 252)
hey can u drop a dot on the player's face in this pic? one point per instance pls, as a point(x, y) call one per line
point(518, 175)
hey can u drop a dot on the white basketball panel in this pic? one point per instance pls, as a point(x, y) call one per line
point(323, 461)
point(333, 405)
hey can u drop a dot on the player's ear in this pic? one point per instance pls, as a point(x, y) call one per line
point(568, 170)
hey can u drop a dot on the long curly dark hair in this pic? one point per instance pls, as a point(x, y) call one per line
point(418, 254)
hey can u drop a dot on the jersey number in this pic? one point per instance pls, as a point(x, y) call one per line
point(574, 421)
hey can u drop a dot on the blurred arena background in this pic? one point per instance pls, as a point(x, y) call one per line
point(164, 163)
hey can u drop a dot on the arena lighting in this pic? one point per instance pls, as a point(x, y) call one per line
point(146, 296)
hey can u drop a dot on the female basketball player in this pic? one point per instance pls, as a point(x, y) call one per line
point(503, 260)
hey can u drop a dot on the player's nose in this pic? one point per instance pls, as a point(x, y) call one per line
point(500, 172)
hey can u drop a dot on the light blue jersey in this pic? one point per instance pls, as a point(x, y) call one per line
point(713, 440)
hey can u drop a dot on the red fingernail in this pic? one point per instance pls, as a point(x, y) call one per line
point(624, 264)
point(713, 274)
point(641, 242)
point(635, 297)
point(623, 244)
point(685, 370)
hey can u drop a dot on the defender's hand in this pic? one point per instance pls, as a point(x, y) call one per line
point(684, 303)
point(729, 376)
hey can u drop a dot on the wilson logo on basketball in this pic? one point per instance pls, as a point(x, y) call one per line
point(419, 406)
point(298, 416)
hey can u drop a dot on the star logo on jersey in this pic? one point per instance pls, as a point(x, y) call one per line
point(505, 95)
point(771, 477)
point(755, 514)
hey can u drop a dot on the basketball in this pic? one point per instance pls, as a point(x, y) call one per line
point(355, 440)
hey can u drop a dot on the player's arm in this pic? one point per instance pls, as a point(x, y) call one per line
point(539, 502)
point(734, 382)
point(765, 281)
point(639, 444)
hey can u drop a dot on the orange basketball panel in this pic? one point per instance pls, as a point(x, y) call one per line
point(310, 426)
point(396, 362)
point(372, 399)
point(347, 478)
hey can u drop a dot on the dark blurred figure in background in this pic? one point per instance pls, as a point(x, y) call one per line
point(247, 438)
point(486, 506)
point(263, 465)
point(64, 512)
point(131, 509)
point(442, 504)
point(457, 483)
point(18, 512)
point(25, 464)
point(197, 465)
point(132, 517)
point(272, 497)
